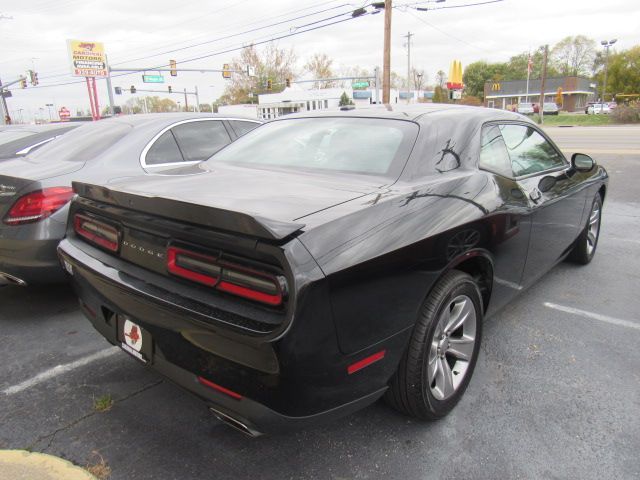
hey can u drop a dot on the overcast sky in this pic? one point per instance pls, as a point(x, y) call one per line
point(36, 33)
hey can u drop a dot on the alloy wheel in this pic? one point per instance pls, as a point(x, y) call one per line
point(452, 347)
point(593, 228)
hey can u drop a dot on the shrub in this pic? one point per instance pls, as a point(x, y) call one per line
point(471, 100)
point(626, 113)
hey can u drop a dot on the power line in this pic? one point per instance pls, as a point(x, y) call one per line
point(227, 36)
point(229, 50)
point(444, 32)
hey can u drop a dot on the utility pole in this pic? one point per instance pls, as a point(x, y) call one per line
point(542, 86)
point(197, 99)
point(109, 88)
point(5, 110)
point(386, 63)
point(186, 103)
point(408, 37)
point(376, 73)
point(606, 44)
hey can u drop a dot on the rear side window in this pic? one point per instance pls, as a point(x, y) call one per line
point(529, 151)
point(164, 150)
point(199, 140)
point(493, 152)
point(241, 127)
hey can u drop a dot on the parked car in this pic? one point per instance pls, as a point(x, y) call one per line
point(327, 259)
point(598, 108)
point(35, 190)
point(20, 140)
point(525, 108)
point(550, 108)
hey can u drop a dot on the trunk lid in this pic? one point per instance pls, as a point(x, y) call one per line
point(264, 204)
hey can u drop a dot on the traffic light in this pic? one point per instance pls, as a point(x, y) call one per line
point(33, 77)
point(269, 84)
point(172, 66)
point(23, 82)
point(226, 71)
point(118, 90)
point(133, 89)
point(170, 89)
point(287, 82)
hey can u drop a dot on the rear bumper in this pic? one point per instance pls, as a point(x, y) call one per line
point(28, 252)
point(32, 261)
point(283, 383)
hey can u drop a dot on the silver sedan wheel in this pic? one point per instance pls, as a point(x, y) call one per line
point(452, 347)
point(594, 227)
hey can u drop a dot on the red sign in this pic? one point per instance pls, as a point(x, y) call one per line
point(64, 114)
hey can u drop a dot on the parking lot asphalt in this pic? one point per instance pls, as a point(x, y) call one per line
point(555, 394)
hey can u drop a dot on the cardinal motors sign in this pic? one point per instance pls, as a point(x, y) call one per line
point(88, 59)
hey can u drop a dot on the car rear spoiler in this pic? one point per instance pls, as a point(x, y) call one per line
point(202, 215)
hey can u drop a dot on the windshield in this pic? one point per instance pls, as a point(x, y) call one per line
point(352, 145)
point(83, 143)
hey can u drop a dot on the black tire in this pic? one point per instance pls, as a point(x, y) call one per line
point(582, 253)
point(410, 391)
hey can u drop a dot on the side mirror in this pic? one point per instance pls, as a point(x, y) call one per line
point(582, 163)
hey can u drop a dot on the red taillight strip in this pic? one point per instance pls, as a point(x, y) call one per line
point(250, 293)
point(234, 279)
point(219, 388)
point(365, 362)
point(172, 265)
point(95, 237)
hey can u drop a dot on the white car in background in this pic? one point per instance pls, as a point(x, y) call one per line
point(525, 108)
point(598, 108)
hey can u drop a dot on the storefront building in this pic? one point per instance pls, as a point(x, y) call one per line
point(576, 93)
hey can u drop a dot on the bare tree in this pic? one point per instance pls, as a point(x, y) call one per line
point(272, 63)
point(441, 79)
point(418, 78)
point(353, 71)
point(319, 66)
point(574, 55)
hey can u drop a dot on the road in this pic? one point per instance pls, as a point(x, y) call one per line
point(556, 392)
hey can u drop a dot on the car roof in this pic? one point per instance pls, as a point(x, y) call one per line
point(412, 112)
point(149, 119)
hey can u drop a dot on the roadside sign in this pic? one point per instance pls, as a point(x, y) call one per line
point(88, 59)
point(7, 93)
point(64, 114)
point(152, 78)
point(360, 85)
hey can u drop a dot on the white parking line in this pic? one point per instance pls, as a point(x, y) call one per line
point(596, 316)
point(59, 370)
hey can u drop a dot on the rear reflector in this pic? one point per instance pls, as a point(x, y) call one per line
point(219, 388)
point(38, 205)
point(228, 277)
point(365, 362)
point(97, 232)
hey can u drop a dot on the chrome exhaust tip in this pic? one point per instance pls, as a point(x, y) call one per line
point(8, 279)
point(234, 423)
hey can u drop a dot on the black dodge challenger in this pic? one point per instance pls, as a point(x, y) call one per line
point(321, 262)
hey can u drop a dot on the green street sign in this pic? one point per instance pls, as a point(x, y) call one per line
point(152, 78)
point(360, 85)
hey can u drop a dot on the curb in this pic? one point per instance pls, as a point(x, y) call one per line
point(23, 465)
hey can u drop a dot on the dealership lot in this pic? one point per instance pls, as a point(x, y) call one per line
point(556, 393)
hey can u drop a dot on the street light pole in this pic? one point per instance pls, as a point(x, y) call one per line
point(606, 44)
point(49, 105)
point(408, 37)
